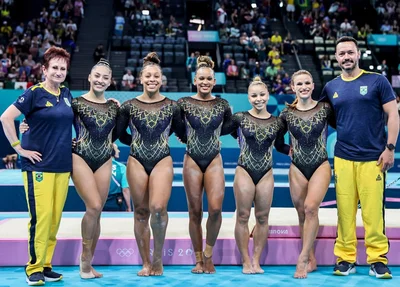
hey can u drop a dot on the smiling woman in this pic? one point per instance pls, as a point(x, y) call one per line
point(46, 159)
point(206, 118)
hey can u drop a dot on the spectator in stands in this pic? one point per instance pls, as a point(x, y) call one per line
point(99, 53)
point(390, 7)
point(232, 71)
point(315, 8)
point(244, 39)
point(6, 30)
point(271, 72)
point(354, 29)
point(221, 15)
point(286, 79)
point(276, 39)
point(257, 71)
point(395, 27)
point(128, 80)
point(226, 62)
point(5, 63)
point(277, 62)
point(261, 51)
point(381, 10)
point(27, 66)
point(345, 28)
point(272, 54)
point(56, 14)
point(244, 72)
point(290, 9)
point(67, 9)
point(119, 24)
point(386, 28)
point(78, 10)
point(326, 63)
point(362, 34)
point(333, 8)
point(189, 62)
point(234, 18)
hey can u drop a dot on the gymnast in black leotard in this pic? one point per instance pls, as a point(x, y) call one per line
point(310, 172)
point(151, 118)
point(308, 131)
point(257, 132)
point(94, 123)
point(256, 137)
point(151, 124)
point(206, 119)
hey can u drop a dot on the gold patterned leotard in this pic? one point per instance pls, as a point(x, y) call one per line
point(205, 122)
point(256, 136)
point(308, 132)
point(150, 124)
point(94, 124)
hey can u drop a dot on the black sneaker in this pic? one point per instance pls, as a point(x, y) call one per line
point(380, 271)
point(50, 275)
point(35, 279)
point(344, 268)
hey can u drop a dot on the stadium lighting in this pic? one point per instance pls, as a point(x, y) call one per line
point(253, 5)
point(371, 67)
point(379, 67)
point(197, 21)
point(281, 3)
point(146, 12)
point(368, 52)
point(199, 28)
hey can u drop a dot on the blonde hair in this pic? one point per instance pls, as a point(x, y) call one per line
point(295, 74)
point(151, 59)
point(257, 81)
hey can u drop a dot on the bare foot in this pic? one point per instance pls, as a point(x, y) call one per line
point(145, 271)
point(312, 265)
point(157, 268)
point(198, 269)
point(208, 267)
point(257, 268)
point(96, 274)
point(85, 269)
point(247, 268)
point(301, 268)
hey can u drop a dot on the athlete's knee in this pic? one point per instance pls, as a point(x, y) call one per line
point(262, 218)
point(196, 216)
point(141, 213)
point(94, 208)
point(214, 214)
point(158, 211)
point(243, 217)
point(310, 210)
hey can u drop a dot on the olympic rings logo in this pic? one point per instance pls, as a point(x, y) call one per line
point(125, 252)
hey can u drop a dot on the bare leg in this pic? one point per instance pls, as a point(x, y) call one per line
point(160, 191)
point(86, 184)
point(298, 191)
point(193, 181)
point(214, 184)
point(138, 184)
point(244, 190)
point(263, 201)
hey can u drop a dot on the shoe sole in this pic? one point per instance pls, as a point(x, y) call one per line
point(37, 283)
point(347, 273)
point(380, 276)
point(49, 279)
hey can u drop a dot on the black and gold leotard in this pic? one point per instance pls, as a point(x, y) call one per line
point(308, 132)
point(94, 124)
point(205, 122)
point(256, 137)
point(150, 124)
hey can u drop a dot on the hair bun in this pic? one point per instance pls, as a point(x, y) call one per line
point(205, 61)
point(257, 79)
point(104, 62)
point(151, 57)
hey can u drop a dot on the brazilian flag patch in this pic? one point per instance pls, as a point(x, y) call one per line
point(39, 176)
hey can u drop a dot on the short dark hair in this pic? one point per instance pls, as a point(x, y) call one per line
point(347, 39)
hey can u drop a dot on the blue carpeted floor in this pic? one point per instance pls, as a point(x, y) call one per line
point(279, 276)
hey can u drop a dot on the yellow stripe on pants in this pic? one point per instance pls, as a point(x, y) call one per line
point(364, 182)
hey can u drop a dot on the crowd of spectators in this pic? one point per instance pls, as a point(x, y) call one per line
point(22, 45)
point(263, 50)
